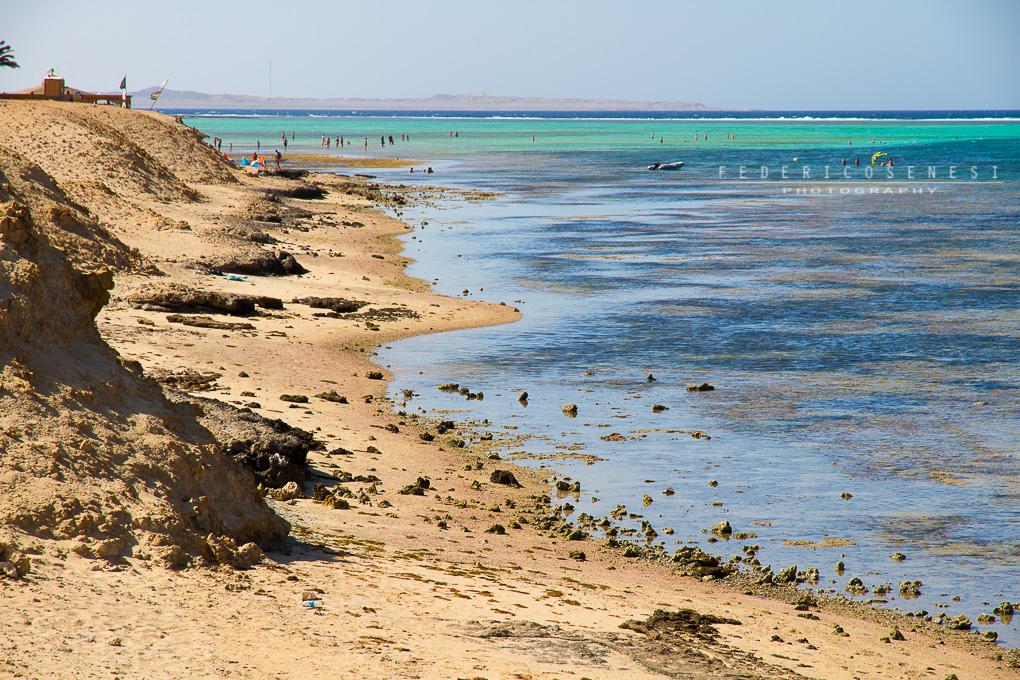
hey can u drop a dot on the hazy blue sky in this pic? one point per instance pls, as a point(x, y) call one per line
point(743, 54)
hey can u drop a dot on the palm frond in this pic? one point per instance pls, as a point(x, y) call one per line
point(7, 56)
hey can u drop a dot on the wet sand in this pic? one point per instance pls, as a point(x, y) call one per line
point(347, 161)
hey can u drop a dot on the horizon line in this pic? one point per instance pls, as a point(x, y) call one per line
point(658, 104)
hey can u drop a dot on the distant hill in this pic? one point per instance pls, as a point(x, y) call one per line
point(186, 99)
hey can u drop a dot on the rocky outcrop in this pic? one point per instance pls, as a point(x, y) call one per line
point(274, 451)
point(257, 263)
point(335, 304)
point(302, 191)
point(176, 298)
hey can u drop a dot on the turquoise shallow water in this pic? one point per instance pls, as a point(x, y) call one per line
point(862, 338)
point(430, 136)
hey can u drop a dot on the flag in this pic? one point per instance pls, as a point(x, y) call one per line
point(154, 96)
point(123, 83)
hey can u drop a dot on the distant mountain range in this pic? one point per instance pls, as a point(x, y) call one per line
point(185, 99)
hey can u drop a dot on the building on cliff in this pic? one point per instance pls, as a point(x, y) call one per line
point(53, 87)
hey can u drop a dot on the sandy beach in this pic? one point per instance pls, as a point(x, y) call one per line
point(129, 505)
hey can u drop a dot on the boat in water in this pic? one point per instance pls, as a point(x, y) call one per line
point(675, 165)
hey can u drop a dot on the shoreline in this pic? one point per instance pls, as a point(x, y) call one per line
point(509, 601)
point(739, 581)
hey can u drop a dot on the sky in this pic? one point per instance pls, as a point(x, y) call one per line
point(778, 54)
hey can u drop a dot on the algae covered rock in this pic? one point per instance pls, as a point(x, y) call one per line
point(722, 528)
point(504, 477)
point(856, 587)
point(693, 561)
point(910, 589)
point(960, 622)
point(418, 488)
point(788, 575)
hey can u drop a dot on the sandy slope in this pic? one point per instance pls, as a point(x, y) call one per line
point(410, 586)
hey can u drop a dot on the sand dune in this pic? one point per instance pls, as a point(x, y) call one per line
point(95, 459)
